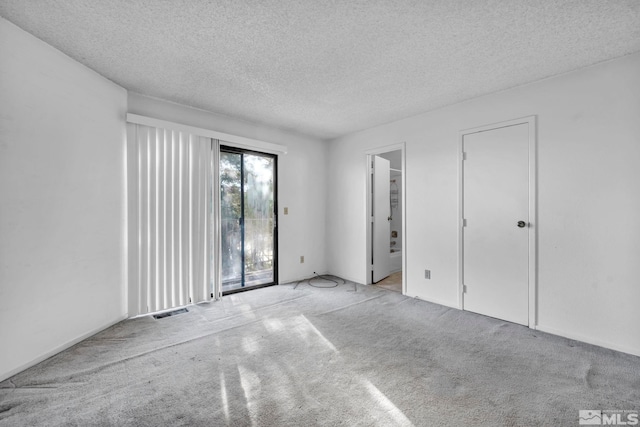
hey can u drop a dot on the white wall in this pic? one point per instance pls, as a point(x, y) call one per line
point(589, 198)
point(394, 157)
point(62, 247)
point(301, 181)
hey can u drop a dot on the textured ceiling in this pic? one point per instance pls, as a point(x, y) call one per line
point(327, 68)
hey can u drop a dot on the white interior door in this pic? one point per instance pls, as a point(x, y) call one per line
point(495, 227)
point(381, 218)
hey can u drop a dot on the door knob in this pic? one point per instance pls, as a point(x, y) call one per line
point(522, 224)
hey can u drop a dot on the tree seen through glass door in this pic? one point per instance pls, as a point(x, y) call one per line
point(247, 210)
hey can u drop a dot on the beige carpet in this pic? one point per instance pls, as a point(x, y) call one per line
point(392, 282)
point(297, 355)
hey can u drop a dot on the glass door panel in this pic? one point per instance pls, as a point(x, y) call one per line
point(258, 219)
point(231, 215)
point(247, 181)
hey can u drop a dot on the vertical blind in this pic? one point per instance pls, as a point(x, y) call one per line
point(172, 218)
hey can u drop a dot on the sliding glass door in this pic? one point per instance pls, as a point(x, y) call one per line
point(248, 211)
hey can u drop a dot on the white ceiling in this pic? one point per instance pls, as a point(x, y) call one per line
point(328, 68)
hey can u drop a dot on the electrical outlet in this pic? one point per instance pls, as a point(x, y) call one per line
point(301, 259)
point(427, 274)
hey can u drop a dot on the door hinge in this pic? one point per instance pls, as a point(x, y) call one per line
point(464, 289)
point(464, 222)
point(464, 155)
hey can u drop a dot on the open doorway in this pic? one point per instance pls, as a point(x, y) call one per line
point(386, 218)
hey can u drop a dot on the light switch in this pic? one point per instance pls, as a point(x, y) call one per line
point(286, 211)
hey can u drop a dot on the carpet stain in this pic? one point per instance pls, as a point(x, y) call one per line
point(589, 376)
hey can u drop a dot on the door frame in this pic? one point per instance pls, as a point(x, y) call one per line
point(238, 150)
point(368, 217)
point(533, 217)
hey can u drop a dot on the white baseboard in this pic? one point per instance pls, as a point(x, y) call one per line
point(351, 279)
point(589, 340)
point(434, 301)
point(58, 349)
point(289, 281)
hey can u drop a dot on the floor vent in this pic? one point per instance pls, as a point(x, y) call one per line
point(170, 313)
